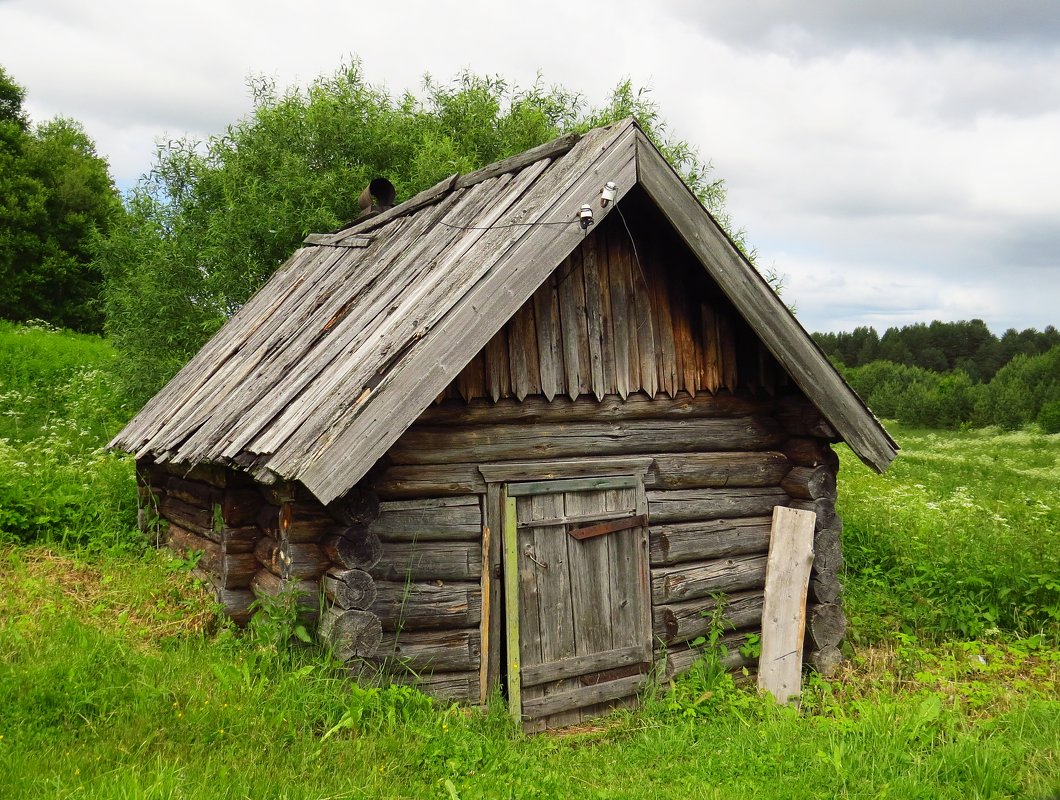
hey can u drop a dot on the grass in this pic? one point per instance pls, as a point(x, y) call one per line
point(118, 680)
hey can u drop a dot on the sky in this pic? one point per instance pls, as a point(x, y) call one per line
point(896, 161)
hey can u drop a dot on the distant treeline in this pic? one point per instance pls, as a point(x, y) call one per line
point(967, 345)
point(950, 374)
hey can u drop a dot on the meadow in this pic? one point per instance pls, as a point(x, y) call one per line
point(118, 679)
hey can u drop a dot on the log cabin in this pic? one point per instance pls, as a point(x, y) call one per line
point(493, 445)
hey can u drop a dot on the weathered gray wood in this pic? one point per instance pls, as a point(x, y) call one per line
point(581, 665)
point(689, 581)
point(427, 606)
point(302, 522)
point(498, 366)
point(681, 656)
point(226, 570)
point(290, 559)
point(236, 540)
point(192, 518)
point(551, 367)
point(195, 493)
point(353, 548)
point(236, 604)
point(356, 507)
point(306, 593)
point(826, 661)
point(637, 405)
point(493, 631)
point(801, 418)
point(765, 312)
point(349, 588)
point(428, 480)
point(784, 611)
point(418, 561)
point(685, 621)
point(547, 605)
point(704, 470)
point(572, 485)
point(621, 308)
point(808, 451)
point(580, 697)
point(560, 469)
point(572, 325)
point(504, 442)
point(427, 197)
point(432, 651)
point(519, 267)
point(522, 350)
point(828, 550)
point(825, 587)
point(552, 149)
point(429, 520)
point(826, 626)
point(810, 483)
point(681, 505)
point(698, 541)
point(449, 687)
point(594, 317)
point(824, 508)
point(350, 633)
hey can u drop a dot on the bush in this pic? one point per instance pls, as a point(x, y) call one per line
point(1049, 417)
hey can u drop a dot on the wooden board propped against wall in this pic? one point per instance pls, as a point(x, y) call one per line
point(784, 610)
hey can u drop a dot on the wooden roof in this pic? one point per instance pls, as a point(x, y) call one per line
point(332, 360)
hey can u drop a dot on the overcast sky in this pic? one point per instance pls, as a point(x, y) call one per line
point(896, 160)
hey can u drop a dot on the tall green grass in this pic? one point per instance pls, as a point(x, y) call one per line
point(59, 407)
point(961, 536)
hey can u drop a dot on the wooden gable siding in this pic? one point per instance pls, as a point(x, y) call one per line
point(612, 319)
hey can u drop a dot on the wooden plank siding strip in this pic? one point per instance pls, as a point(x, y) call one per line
point(585, 696)
point(786, 339)
point(604, 528)
point(572, 485)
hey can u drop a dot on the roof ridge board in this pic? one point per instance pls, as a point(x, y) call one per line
point(269, 437)
point(552, 149)
point(160, 409)
point(762, 323)
point(354, 446)
point(206, 400)
point(385, 257)
point(439, 282)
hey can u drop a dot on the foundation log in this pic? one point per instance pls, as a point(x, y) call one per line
point(349, 588)
point(810, 483)
point(350, 633)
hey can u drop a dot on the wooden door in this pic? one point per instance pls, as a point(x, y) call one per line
point(577, 601)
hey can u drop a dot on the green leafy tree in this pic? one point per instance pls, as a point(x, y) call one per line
point(56, 194)
point(213, 220)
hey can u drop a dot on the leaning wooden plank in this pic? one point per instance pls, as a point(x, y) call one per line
point(784, 610)
point(764, 311)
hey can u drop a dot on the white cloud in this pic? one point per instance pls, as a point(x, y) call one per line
point(898, 161)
